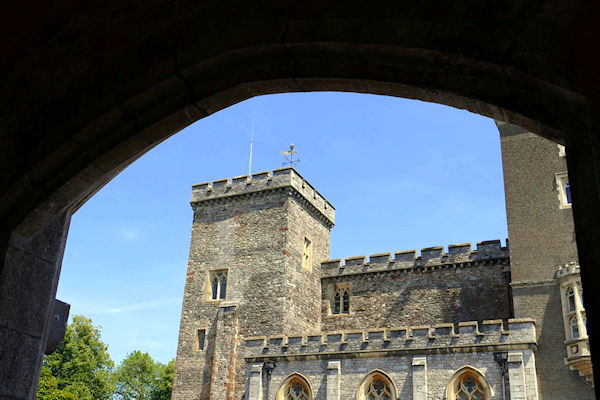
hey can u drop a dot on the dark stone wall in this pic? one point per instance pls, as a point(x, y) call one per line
point(259, 239)
point(542, 237)
point(415, 297)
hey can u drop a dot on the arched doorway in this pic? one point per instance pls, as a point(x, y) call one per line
point(90, 90)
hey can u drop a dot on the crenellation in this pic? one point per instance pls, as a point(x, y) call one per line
point(427, 339)
point(419, 317)
point(431, 259)
point(261, 183)
point(463, 248)
point(429, 253)
point(260, 176)
point(380, 258)
point(489, 249)
point(407, 255)
point(360, 260)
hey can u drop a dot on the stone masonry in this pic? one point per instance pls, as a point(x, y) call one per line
point(435, 287)
point(419, 360)
point(253, 229)
point(542, 238)
point(422, 322)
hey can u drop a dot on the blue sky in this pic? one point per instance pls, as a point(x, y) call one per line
point(402, 174)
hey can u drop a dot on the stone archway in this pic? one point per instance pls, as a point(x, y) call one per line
point(89, 88)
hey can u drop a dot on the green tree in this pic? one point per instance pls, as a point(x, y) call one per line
point(81, 366)
point(48, 388)
point(136, 376)
point(164, 385)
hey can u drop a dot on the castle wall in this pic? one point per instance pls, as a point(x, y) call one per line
point(542, 237)
point(255, 231)
point(436, 287)
point(420, 360)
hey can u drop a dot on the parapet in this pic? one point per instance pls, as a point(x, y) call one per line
point(261, 182)
point(466, 337)
point(567, 270)
point(489, 252)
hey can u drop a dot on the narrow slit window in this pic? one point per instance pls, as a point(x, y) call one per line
point(307, 254)
point(200, 338)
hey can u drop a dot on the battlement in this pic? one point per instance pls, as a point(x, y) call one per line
point(261, 182)
point(437, 339)
point(566, 270)
point(487, 252)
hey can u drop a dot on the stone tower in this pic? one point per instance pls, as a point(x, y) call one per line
point(543, 257)
point(254, 270)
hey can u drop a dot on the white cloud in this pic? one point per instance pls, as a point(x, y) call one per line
point(128, 234)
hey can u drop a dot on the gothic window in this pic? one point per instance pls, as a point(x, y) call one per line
point(218, 284)
point(307, 254)
point(469, 388)
point(574, 327)
point(376, 386)
point(468, 384)
point(296, 390)
point(378, 389)
point(341, 300)
point(295, 387)
point(571, 300)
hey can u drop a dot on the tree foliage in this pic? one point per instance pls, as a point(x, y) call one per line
point(138, 377)
point(81, 366)
point(81, 369)
point(48, 388)
point(164, 385)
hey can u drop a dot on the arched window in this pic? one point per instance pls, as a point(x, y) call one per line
point(377, 385)
point(574, 327)
point(295, 387)
point(341, 301)
point(571, 300)
point(218, 282)
point(468, 384)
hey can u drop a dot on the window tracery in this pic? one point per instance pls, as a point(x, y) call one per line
point(296, 390)
point(469, 388)
point(341, 300)
point(378, 390)
point(376, 386)
point(468, 383)
point(218, 283)
point(295, 387)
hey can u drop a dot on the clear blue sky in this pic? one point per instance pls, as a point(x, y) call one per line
point(402, 174)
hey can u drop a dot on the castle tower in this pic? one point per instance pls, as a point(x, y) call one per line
point(254, 270)
point(543, 260)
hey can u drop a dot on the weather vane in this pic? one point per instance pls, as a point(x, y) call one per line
point(289, 157)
